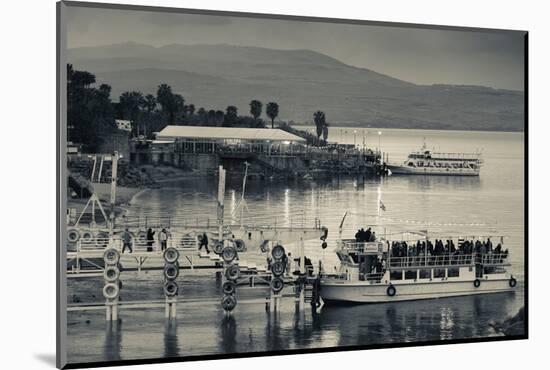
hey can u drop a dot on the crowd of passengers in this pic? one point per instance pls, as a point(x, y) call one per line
point(362, 235)
point(438, 248)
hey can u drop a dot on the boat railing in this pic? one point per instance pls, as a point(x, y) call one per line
point(441, 155)
point(488, 259)
point(430, 261)
point(362, 247)
point(492, 259)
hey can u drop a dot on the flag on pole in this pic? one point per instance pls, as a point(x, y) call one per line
point(382, 206)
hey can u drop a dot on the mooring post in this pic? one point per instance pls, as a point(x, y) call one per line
point(108, 311)
point(301, 301)
point(166, 308)
point(114, 315)
point(173, 313)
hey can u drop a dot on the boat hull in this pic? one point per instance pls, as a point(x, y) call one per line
point(404, 170)
point(361, 292)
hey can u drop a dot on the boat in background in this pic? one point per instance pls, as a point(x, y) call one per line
point(427, 162)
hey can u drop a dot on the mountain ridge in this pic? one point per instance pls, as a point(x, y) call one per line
point(301, 81)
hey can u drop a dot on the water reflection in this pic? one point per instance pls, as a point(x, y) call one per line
point(113, 340)
point(171, 344)
point(449, 318)
point(228, 334)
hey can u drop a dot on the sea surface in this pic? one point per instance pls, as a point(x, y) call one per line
point(446, 206)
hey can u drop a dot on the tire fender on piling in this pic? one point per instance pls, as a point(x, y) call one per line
point(87, 236)
point(73, 235)
point(233, 272)
point(477, 283)
point(111, 290)
point(240, 245)
point(229, 302)
point(171, 288)
point(229, 287)
point(171, 255)
point(512, 282)
point(391, 291)
point(171, 271)
point(229, 253)
point(278, 268)
point(111, 256)
point(278, 252)
point(111, 273)
point(218, 247)
point(277, 284)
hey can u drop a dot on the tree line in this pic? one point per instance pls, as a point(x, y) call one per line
point(91, 114)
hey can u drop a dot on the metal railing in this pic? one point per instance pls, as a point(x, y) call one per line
point(363, 247)
point(489, 259)
point(492, 259)
point(425, 261)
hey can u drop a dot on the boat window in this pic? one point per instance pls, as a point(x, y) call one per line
point(439, 273)
point(425, 274)
point(453, 272)
point(396, 275)
point(410, 275)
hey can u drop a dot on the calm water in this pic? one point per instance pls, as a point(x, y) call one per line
point(445, 206)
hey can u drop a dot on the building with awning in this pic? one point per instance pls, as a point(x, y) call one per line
point(228, 135)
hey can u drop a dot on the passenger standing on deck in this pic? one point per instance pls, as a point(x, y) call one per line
point(204, 243)
point(372, 237)
point(368, 235)
point(126, 240)
point(150, 239)
point(163, 237)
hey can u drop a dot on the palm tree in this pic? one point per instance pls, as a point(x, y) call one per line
point(256, 109)
point(150, 103)
point(230, 115)
point(132, 102)
point(168, 101)
point(325, 132)
point(211, 116)
point(219, 117)
point(319, 119)
point(272, 111)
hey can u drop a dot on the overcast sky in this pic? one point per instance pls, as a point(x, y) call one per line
point(422, 56)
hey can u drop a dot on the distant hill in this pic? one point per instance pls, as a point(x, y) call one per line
point(301, 81)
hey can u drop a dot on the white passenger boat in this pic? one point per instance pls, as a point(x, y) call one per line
point(369, 273)
point(426, 162)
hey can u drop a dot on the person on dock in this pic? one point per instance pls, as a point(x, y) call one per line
point(163, 237)
point(204, 243)
point(368, 235)
point(126, 241)
point(150, 239)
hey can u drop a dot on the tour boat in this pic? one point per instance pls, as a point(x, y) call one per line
point(369, 273)
point(426, 162)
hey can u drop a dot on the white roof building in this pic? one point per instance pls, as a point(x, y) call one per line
point(226, 133)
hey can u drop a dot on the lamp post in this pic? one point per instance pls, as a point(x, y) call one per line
point(379, 134)
point(354, 138)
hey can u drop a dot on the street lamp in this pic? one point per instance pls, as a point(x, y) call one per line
point(354, 138)
point(379, 134)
